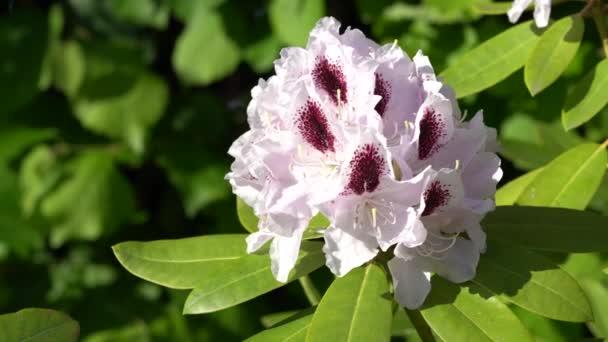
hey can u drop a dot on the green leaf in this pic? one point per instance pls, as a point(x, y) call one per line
point(292, 20)
point(597, 291)
point(181, 263)
point(217, 267)
point(261, 54)
point(533, 282)
point(134, 332)
point(23, 46)
point(570, 180)
point(402, 326)
point(38, 325)
point(549, 229)
point(205, 32)
point(250, 221)
point(14, 140)
point(468, 313)
point(69, 68)
point(141, 12)
point(292, 331)
point(356, 307)
point(531, 144)
point(510, 192)
point(549, 330)
point(40, 172)
point(587, 97)
point(127, 115)
point(95, 198)
point(18, 234)
point(492, 8)
point(553, 52)
point(273, 319)
point(492, 61)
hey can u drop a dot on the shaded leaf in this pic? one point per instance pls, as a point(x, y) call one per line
point(468, 313)
point(69, 68)
point(553, 52)
point(533, 282)
point(492, 61)
point(356, 307)
point(23, 46)
point(587, 97)
point(570, 180)
point(38, 325)
point(559, 230)
point(491, 8)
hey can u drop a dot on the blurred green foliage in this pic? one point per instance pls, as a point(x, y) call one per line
point(115, 121)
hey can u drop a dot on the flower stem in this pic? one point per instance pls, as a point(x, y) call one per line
point(423, 329)
point(598, 17)
point(311, 292)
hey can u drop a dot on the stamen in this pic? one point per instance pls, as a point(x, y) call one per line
point(374, 214)
point(457, 164)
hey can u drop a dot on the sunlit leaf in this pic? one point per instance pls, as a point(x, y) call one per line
point(217, 267)
point(491, 8)
point(510, 192)
point(549, 330)
point(469, 313)
point(205, 32)
point(570, 180)
point(587, 97)
point(69, 67)
point(356, 307)
point(292, 20)
point(553, 52)
point(248, 278)
point(549, 229)
point(492, 61)
point(533, 282)
point(38, 325)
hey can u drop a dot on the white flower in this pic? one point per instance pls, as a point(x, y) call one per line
point(542, 11)
point(377, 143)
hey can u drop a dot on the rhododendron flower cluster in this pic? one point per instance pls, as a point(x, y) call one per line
point(376, 143)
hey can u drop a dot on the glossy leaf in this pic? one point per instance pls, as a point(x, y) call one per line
point(232, 283)
point(250, 221)
point(587, 97)
point(205, 32)
point(217, 267)
point(268, 321)
point(570, 180)
point(549, 229)
point(533, 282)
point(553, 52)
point(510, 192)
point(38, 325)
point(356, 307)
point(468, 313)
point(292, 331)
point(181, 263)
point(492, 61)
point(292, 20)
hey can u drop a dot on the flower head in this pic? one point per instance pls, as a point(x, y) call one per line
point(374, 141)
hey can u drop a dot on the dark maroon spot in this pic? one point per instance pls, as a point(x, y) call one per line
point(366, 168)
point(330, 78)
point(314, 127)
point(432, 129)
point(436, 196)
point(383, 89)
